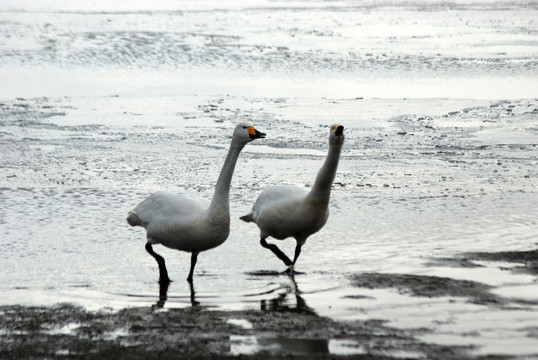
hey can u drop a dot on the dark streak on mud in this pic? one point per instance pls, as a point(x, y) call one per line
point(528, 259)
point(427, 286)
point(450, 262)
point(433, 286)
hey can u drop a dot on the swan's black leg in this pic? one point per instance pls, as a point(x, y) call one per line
point(297, 253)
point(194, 258)
point(291, 269)
point(163, 274)
point(163, 294)
point(276, 251)
point(193, 298)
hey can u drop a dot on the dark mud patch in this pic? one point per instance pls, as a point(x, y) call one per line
point(66, 331)
point(427, 286)
point(528, 260)
point(451, 262)
point(269, 273)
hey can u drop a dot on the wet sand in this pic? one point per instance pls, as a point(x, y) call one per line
point(65, 331)
point(138, 333)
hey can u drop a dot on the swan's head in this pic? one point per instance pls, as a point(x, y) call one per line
point(245, 132)
point(336, 135)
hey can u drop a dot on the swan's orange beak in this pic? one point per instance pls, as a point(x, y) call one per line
point(255, 134)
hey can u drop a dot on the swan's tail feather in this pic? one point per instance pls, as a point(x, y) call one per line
point(133, 219)
point(247, 218)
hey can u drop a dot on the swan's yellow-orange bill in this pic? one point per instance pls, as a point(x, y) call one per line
point(251, 130)
point(338, 129)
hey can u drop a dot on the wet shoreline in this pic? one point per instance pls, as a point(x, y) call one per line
point(65, 331)
point(275, 330)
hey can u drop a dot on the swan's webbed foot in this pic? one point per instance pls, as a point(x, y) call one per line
point(291, 271)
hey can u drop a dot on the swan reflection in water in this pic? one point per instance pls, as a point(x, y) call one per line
point(281, 302)
point(163, 295)
point(290, 345)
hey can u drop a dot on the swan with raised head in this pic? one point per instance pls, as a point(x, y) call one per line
point(187, 222)
point(284, 211)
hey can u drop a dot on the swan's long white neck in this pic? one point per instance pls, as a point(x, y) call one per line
point(220, 204)
point(321, 191)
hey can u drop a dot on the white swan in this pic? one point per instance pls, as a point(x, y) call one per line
point(187, 222)
point(284, 211)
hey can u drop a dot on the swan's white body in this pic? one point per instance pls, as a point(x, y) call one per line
point(284, 211)
point(188, 222)
point(181, 221)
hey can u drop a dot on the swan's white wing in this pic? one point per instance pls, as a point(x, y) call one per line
point(281, 211)
point(162, 206)
point(274, 196)
point(279, 194)
point(178, 222)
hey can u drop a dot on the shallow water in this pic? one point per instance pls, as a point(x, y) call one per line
point(101, 106)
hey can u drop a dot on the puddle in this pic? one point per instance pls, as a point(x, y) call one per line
point(251, 344)
point(344, 347)
point(243, 345)
point(68, 329)
point(242, 323)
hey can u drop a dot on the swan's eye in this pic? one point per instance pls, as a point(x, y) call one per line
point(244, 127)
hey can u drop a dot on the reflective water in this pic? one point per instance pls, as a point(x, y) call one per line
point(104, 104)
